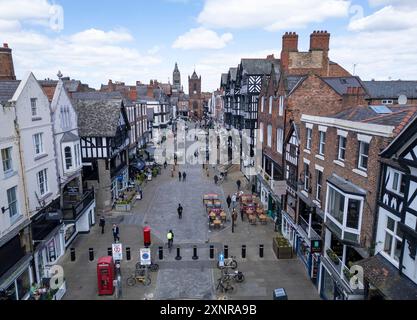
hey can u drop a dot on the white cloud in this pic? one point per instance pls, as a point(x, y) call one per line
point(202, 38)
point(387, 18)
point(398, 3)
point(94, 36)
point(272, 15)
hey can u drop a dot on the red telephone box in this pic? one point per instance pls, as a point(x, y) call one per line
point(105, 275)
point(147, 236)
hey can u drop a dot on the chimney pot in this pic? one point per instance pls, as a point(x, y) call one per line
point(5, 45)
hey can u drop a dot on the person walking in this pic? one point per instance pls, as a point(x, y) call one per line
point(241, 214)
point(216, 179)
point(116, 233)
point(234, 216)
point(234, 199)
point(170, 238)
point(165, 164)
point(102, 224)
point(229, 201)
point(179, 175)
point(238, 183)
point(179, 210)
point(184, 175)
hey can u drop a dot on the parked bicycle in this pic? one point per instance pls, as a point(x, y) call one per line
point(224, 285)
point(237, 276)
point(136, 278)
point(153, 267)
point(228, 263)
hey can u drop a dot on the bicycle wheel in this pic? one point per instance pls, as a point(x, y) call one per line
point(131, 281)
point(229, 288)
point(239, 277)
point(233, 264)
point(147, 281)
point(154, 267)
point(139, 266)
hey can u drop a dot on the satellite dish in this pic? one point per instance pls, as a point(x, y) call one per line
point(402, 99)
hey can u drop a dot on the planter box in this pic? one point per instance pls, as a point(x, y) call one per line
point(281, 252)
point(123, 207)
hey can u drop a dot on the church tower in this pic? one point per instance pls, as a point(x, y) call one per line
point(196, 99)
point(176, 78)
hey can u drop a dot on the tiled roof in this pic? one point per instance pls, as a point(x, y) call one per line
point(259, 66)
point(291, 82)
point(341, 84)
point(98, 118)
point(391, 89)
point(233, 73)
point(48, 87)
point(398, 118)
point(97, 95)
point(223, 79)
point(7, 89)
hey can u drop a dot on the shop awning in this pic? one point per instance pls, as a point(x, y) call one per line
point(386, 278)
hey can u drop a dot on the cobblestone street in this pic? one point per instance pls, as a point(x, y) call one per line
point(187, 278)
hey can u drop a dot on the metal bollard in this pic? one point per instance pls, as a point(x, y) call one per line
point(211, 252)
point(195, 256)
point(261, 250)
point(226, 252)
point(243, 251)
point(160, 253)
point(128, 253)
point(178, 257)
point(91, 254)
point(109, 252)
point(72, 254)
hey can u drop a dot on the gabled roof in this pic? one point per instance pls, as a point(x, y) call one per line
point(292, 82)
point(233, 73)
point(98, 118)
point(194, 76)
point(259, 66)
point(223, 80)
point(398, 118)
point(341, 84)
point(391, 89)
point(7, 89)
point(97, 95)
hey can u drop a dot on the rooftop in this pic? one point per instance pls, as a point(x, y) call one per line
point(391, 89)
point(341, 84)
point(7, 89)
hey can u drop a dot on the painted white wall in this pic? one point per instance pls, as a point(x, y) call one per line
point(8, 138)
point(60, 103)
point(29, 88)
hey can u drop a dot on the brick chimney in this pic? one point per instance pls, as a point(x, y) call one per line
point(353, 97)
point(289, 44)
point(6, 63)
point(320, 40)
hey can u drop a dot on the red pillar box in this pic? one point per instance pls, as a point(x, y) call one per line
point(147, 236)
point(105, 275)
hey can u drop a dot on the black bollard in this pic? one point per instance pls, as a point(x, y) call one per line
point(72, 254)
point(226, 252)
point(160, 253)
point(128, 253)
point(91, 254)
point(261, 250)
point(195, 256)
point(178, 257)
point(243, 251)
point(211, 252)
point(109, 252)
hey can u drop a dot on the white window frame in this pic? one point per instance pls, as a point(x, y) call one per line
point(269, 135)
point(38, 143)
point(270, 104)
point(322, 144)
point(262, 103)
point(9, 160)
point(10, 203)
point(395, 237)
point(340, 148)
point(309, 138)
point(281, 106)
point(34, 107)
point(44, 175)
point(348, 197)
point(361, 155)
point(261, 132)
point(390, 185)
point(280, 140)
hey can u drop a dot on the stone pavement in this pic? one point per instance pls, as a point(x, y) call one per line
point(187, 278)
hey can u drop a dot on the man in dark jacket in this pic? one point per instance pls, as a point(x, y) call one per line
point(184, 175)
point(238, 183)
point(229, 201)
point(116, 233)
point(179, 210)
point(102, 224)
point(179, 175)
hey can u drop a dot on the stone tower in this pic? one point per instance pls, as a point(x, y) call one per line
point(176, 78)
point(6, 63)
point(196, 98)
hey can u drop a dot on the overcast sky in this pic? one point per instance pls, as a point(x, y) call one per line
point(131, 40)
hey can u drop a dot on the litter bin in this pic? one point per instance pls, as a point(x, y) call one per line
point(280, 294)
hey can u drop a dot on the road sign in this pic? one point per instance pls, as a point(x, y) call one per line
point(221, 260)
point(117, 250)
point(145, 256)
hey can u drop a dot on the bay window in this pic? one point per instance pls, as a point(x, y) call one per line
point(344, 209)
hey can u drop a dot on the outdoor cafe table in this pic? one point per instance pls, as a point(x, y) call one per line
point(246, 198)
point(259, 211)
point(217, 223)
point(223, 215)
point(211, 196)
point(262, 218)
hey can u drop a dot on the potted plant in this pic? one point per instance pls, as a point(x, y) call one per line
point(333, 256)
point(282, 248)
